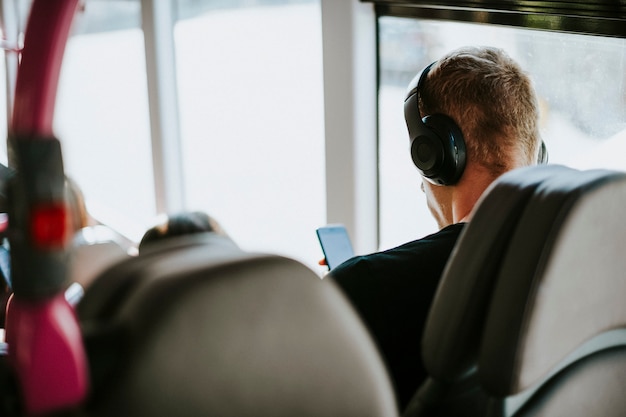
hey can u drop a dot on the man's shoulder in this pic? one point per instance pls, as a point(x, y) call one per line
point(442, 238)
point(427, 253)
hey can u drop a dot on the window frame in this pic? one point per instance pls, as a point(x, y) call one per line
point(602, 17)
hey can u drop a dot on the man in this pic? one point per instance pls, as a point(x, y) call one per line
point(481, 120)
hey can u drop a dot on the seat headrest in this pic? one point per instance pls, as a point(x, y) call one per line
point(94, 249)
point(454, 327)
point(562, 281)
point(112, 285)
point(212, 330)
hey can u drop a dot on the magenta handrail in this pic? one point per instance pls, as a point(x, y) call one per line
point(37, 79)
point(45, 345)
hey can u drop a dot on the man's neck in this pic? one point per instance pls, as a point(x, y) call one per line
point(468, 191)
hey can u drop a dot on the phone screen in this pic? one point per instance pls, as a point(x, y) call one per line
point(335, 244)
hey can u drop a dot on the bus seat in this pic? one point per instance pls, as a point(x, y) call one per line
point(113, 285)
point(93, 249)
point(554, 341)
point(208, 329)
point(452, 333)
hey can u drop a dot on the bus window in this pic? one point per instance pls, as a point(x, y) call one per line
point(251, 116)
point(580, 81)
point(102, 115)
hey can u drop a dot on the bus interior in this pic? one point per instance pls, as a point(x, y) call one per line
point(277, 117)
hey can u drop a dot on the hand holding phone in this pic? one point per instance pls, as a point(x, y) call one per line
point(335, 244)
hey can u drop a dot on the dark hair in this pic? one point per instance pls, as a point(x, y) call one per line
point(180, 224)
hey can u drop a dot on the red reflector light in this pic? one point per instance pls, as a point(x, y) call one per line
point(48, 226)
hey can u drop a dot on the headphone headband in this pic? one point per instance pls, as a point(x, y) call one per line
point(416, 84)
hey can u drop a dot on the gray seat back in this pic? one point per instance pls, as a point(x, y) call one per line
point(532, 313)
point(94, 249)
point(557, 318)
point(454, 327)
point(453, 330)
point(211, 330)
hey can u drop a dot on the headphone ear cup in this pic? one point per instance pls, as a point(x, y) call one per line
point(438, 150)
point(427, 153)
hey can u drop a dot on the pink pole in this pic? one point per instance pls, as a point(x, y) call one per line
point(46, 34)
point(46, 350)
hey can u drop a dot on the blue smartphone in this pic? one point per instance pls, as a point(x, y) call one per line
point(335, 243)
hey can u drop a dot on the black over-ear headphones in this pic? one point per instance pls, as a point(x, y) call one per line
point(437, 144)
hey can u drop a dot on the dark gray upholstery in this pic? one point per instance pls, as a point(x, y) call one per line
point(530, 312)
point(94, 249)
point(205, 329)
point(111, 288)
point(454, 327)
point(561, 283)
point(453, 330)
point(591, 386)
point(561, 288)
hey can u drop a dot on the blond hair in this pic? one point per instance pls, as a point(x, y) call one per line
point(492, 100)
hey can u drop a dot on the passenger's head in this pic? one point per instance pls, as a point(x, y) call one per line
point(493, 102)
point(180, 224)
